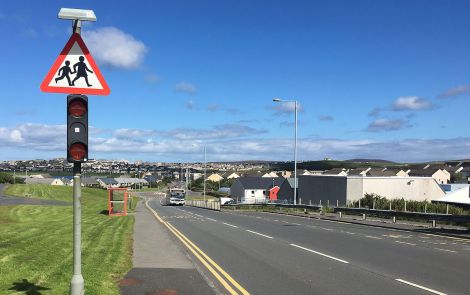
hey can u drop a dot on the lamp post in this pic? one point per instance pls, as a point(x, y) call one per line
point(205, 164)
point(295, 144)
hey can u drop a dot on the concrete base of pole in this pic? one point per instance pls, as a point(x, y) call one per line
point(77, 285)
point(363, 216)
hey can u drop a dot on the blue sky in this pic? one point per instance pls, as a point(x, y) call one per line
point(374, 79)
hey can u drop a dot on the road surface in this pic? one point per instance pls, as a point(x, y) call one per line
point(278, 254)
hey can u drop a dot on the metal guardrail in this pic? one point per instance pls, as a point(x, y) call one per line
point(400, 214)
point(270, 205)
point(204, 204)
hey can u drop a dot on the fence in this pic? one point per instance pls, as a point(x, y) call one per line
point(212, 205)
point(433, 217)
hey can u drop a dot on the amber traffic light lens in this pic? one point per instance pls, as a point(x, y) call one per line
point(77, 108)
point(77, 151)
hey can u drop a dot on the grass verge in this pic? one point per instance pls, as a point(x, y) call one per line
point(36, 243)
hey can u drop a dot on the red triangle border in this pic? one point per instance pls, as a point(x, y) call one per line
point(69, 90)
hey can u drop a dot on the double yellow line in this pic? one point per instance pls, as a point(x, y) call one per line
point(223, 277)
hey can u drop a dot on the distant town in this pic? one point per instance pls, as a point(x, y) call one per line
point(340, 182)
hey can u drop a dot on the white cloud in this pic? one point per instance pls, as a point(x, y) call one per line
point(113, 47)
point(411, 103)
point(455, 91)
point(225, 142)
point(132, 133)
point(388, 125)
point(325, 118)
point(283, 108)
point(190, 104)
point(185, 87)
point(152, 79)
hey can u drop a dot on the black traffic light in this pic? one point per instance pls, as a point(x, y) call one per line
point(77, 128)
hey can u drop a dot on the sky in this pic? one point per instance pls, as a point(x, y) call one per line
point(373, 79)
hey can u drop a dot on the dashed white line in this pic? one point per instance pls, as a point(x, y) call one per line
point(296, 223)
point(319, 253)
point(349, 233)
point(372, 237)
point(211, 219)
point(230, 225)
point(400, 242)
point(420, 287)
point(452, 251)
point(325, 228)
point(256, 233)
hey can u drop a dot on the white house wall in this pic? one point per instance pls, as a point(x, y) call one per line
point(410, 188)
point(252, 196)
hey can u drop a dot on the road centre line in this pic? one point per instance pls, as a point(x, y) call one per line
point(211, 219)
point(207, 262)
point(372, 237)
point(256, 233)
point(420, 287)
point(400, 242)
point(230, 225)
point(319, 253)
point(452, 251)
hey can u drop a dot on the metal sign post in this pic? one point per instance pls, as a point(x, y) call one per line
point(77, 284)
point(75, 59)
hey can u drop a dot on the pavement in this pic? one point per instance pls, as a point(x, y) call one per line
point(160, 264)
point(280, 254)
point(9, 201)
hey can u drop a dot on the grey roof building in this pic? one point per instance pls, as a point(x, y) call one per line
point(256, 189)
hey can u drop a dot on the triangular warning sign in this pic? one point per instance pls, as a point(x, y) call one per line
point(75, 71)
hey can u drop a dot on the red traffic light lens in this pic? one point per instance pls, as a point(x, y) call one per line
point(77, 151)
point(77, 108)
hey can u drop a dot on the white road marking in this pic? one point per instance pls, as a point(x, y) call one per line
point(211, 219)
point(198, 215)
point(325, 228)
point(452, 251)
point(400, 242)
point(319, 253)
point(420, 287)
point(230, 225)
point(296, 223)
point(350, 233)
point(372, 237)
point(256, 233)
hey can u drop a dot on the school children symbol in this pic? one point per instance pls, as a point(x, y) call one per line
point(75, 71)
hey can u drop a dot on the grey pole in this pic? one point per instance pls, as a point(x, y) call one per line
point(205, 164)
point(77, 284)
point(295, 157)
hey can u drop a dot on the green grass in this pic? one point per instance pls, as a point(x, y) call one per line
point(36, 242)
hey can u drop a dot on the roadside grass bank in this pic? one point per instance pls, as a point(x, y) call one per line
point(36, 242)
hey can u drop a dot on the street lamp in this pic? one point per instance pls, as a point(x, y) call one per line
point(205, 164)
point(295, 144)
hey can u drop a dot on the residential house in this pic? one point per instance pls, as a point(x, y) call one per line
point(270, 174)
point(108, 183)
point(336, 171)
point(214, 177)
point(441, 176)
point(252, 190)
point(233, 176)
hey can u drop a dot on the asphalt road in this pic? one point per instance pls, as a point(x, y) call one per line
point(278, 254)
